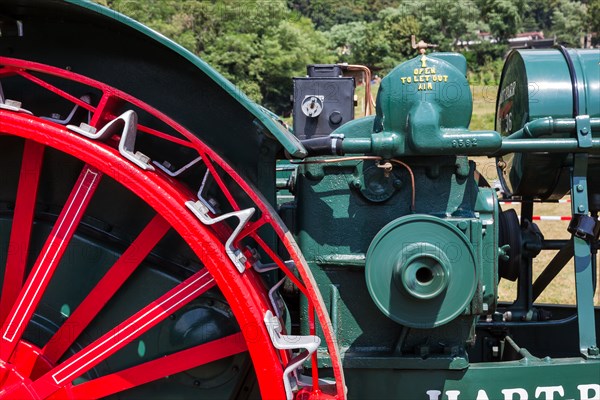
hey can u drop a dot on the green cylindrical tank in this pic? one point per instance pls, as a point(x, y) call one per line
point(537, 84)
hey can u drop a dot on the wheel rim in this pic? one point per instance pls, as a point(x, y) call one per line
point(28, 370)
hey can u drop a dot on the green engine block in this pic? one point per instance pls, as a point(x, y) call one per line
point(413, 286)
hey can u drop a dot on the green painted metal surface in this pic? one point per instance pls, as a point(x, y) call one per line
point(413, 319)
point(584, 268)
point(535, 85)
point(343, 208)
point(523, 380)
point(421, 270)
point(423, 108)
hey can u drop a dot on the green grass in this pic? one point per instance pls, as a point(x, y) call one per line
point(484, 105)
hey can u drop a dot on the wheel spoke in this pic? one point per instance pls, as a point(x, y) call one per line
point(55, 90)
point(48, 260)
point(18, 247)
point(106, 288)
point(128, 331)
point(245, 293)
point(160, 368)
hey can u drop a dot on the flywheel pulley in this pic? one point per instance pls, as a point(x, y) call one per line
point(421, 271)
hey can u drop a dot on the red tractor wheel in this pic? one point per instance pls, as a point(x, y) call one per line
point(121, 278)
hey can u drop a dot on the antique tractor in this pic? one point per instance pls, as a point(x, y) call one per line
point(162, 236)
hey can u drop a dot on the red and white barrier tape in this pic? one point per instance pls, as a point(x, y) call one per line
point(544, 217)
point(518, 202)
point(550, 217)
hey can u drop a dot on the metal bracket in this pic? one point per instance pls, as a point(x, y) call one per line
point(125, 125)
point(201, 212)
point(583, 262)
point(335, 138)
point(290, 342)
point(583, 128)
point(278, 304)
point(181, 170)
point(127, 143)
point(10, 27)
point(260, 267)
point(13, 105)
point(86, 98)
point(211, 205)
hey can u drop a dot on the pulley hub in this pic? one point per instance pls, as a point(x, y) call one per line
point(421, 271)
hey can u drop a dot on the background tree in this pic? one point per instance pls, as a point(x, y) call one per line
point(261, 44)
point(258, 45)
point(569, 22)
point(593, 17)
point(504, 17)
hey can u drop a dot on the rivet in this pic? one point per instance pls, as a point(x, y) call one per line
point(581, 208)
point(584, 131)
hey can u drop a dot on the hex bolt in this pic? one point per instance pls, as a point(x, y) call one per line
point(593, 351)
point(584, 131)
point(13, 103)
point(581, 208)
point(462, 225)
point(87, 128)
point(356, 183)
point(579, 188)
point(167, 165)
point(495, 351)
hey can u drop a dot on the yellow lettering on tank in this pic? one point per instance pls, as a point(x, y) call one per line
point(424, 76)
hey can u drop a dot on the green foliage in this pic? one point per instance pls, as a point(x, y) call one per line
point(569, 22)
point(484, 62)
point(594, 19)
point(359, 43)
point(504, 17)
point(327, 13)
point(260, 44)
point(444, 22)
